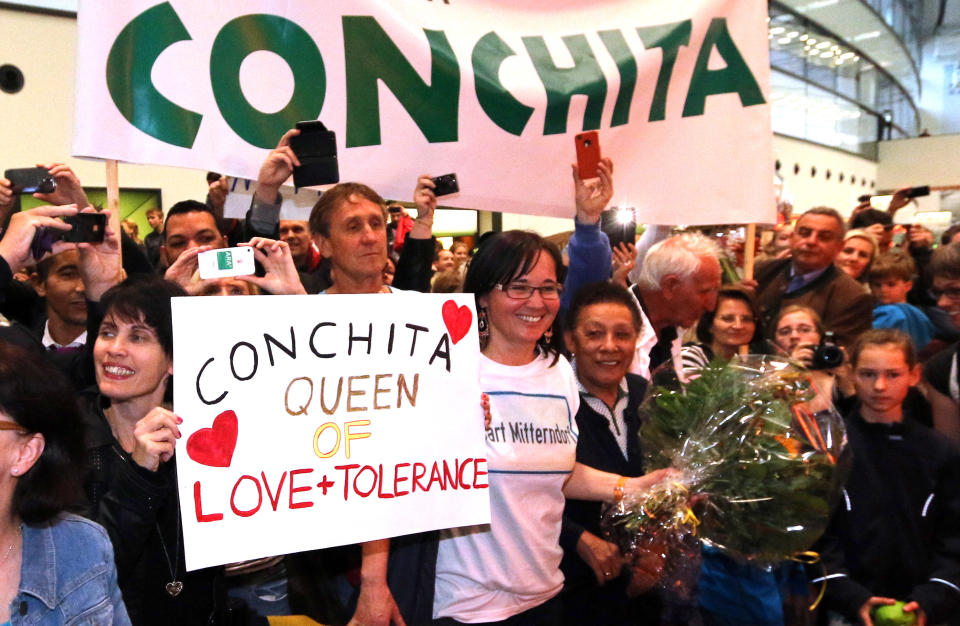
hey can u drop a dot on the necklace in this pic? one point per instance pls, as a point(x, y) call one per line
point(6, 555)
point(174, 587)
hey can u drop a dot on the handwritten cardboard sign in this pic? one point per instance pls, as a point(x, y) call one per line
point(315, 421)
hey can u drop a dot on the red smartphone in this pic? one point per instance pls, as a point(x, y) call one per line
point(588, 154)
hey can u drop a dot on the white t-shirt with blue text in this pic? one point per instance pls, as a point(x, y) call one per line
point(489, 573)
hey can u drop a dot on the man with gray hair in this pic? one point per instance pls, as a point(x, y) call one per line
point(810, 278)
point(677, 284)
point(677, 280)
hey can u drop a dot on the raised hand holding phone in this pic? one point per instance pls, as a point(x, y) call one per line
point(225, 262)
point(17, 245)
point(316, 149)
point(592, 196)
point(30, 180)
point(588, 154)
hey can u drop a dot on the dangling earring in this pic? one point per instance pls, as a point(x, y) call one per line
point(483, 328)
point(547, 336)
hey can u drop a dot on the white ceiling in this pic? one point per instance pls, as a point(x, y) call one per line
point(857, 23)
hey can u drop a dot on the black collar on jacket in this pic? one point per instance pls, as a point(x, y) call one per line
point(98, 429)
point(636, 390)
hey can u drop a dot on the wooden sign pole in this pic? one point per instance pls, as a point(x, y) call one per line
point(749, 251)
point(113, 196)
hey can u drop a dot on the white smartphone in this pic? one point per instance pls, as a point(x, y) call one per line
point(226, 262)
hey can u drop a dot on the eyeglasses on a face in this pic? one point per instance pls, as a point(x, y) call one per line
point(950, 294)
point(522, 291)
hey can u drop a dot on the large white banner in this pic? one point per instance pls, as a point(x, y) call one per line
point(315, 421)
point(493, 90)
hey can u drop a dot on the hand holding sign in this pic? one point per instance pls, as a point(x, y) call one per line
point(155, 438)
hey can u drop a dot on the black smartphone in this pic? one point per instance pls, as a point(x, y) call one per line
point(87, 228)
point(620, 226)
point(30, 180)
point(916, 192)
point(316, 147)
point(445, 185)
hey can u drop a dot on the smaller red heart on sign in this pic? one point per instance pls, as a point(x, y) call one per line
point(214, 446)
point(457, 320)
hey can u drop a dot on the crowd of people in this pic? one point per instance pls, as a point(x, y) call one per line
point(89, 511)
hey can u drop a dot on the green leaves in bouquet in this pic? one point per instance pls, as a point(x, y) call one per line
point(752, 455)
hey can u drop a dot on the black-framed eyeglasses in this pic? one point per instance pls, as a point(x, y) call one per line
point(522, 291)
point(951, 294)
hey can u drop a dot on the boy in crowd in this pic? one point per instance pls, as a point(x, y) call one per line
point(896, 532)
point(891, 279)
point(154, 239)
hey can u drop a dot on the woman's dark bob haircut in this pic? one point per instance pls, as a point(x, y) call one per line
point(506, 256)
point(705, 325)
point(39, 397)
point(146, 299)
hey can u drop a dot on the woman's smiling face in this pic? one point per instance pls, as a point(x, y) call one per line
point(521, 322)
point(128, 358)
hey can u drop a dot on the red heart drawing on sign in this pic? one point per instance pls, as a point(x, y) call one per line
point(457, 320)
point(214, 446)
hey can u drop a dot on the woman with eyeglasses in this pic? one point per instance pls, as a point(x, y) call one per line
point(55, 568)
point(797, 331)
point(509, 571)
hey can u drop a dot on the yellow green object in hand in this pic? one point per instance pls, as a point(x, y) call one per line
point(892, 615)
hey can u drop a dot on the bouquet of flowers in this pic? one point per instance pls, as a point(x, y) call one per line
point(760, 455)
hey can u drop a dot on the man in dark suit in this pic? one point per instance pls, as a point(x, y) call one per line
point(810, 278)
